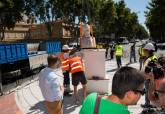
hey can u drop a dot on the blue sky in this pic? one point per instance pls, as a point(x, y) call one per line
point(137, 6)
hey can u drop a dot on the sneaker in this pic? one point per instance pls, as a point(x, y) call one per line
point(70, 91)
point(67, 94)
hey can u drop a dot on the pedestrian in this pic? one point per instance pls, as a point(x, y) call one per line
point(119, 53)
point(51, 85)
point(78, 75)
point(156, 47)
point(112, 50)
point(106, 51)
point(127, 88)
point(64, 57)
point(133, 52)
point(141, 56)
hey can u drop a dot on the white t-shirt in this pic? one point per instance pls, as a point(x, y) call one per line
point(50, 81)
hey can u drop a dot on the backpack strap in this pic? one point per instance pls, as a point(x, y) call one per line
point(97, 104)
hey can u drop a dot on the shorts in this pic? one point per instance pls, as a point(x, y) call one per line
point(79, 77)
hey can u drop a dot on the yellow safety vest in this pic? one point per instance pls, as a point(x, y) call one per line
point(119, 50)
point(152, 58)
point(141, 52)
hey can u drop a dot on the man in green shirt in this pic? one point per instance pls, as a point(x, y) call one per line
point(127, 88)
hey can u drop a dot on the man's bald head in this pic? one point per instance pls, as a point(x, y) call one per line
point(52, 60)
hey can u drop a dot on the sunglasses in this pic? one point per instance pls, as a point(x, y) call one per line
point(142, 92)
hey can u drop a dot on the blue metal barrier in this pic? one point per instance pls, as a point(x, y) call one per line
point(13, 52)
point(51, 47)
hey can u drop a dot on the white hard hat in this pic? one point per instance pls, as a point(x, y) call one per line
point(149, 46)
point(65, 47)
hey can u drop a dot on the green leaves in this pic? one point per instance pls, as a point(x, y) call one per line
point(155, 20)
point(10, 12)
point(116, 18)
point(106, 16)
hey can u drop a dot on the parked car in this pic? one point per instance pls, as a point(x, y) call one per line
point(125, 41)
point(73, 45)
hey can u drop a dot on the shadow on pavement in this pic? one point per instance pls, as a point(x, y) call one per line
point(112, 70)
point(128, 64)
point(39, 107)
point(108, 59)
point(131, 63)
point(69, 103)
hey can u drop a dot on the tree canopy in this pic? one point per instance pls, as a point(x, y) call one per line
point(10, 13)
point(107, 16)
point(155, 19)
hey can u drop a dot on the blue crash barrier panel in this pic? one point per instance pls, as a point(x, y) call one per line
point(13, 52)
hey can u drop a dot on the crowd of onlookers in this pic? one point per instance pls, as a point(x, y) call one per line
point(128, 83)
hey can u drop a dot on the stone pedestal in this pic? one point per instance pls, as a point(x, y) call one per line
point(99, 86)
point(94, 60)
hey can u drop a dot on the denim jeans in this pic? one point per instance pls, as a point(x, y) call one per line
point(118, 60)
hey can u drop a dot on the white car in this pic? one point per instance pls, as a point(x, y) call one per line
point(73, 44)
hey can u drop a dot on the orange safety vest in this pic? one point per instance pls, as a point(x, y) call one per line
point(76, 64)
point(64, 63)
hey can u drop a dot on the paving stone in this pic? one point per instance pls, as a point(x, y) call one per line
point(8, 105)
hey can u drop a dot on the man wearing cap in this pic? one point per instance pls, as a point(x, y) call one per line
point(149, 51)
point(64, 57)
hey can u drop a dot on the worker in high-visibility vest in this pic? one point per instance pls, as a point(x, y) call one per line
point(141, 56)
point(64, 57)
point(77, 70)
point(149, 51)
point(119, 54)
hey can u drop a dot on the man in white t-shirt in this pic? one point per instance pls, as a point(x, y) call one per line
point(51, 85)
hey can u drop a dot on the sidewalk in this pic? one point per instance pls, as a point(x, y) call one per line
point(29, 98)
point(8, 105)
